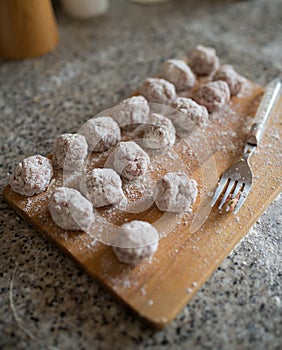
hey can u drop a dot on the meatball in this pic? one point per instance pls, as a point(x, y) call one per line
point(70, 210)
point(159, 133)
point(32, 175)
point(158, 90)
point(213, 95)
point(102, 187)
point(70, 151)
point(133, 110)
point(203, 60)
point(135, 241)
point(176, 193)
point(228, 74)
point(130, 161)
point(187, 110)
point(178, 73)
point(101, 133)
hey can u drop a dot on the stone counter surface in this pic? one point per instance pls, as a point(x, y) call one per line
point(46, 302)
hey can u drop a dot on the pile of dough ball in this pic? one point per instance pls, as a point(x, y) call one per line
point(70, 210)
point(176, 193)
point(131, 111)
point(102, 187)
point(32, 175)
point(135, 241)
point(178, 73)
point(228, 74)
point(70, 152)
point(203, 60)
point(130, 160)
point(188, 110)
point(213, 95)
point(101, 133)
point(223, 83)
point(158, 91)
point(160, 132)
point(72, 206)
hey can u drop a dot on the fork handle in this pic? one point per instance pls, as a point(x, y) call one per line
point(268, 100)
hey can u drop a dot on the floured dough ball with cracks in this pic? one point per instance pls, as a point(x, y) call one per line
point(130, 160)
point(102, 187)
point(203, 60)
point(158, 90)
point(178, 73)
point(70, 210)
point(135, 241)
point(101, 133)
point(228, 74)
point(32, 175)
point(159, 133)
point(131, 111)
point(213, 95)
point(176, 193)
point(70, 151)
point(187, 111)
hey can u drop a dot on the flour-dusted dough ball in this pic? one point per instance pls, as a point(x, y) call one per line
point(135, 241)
point(158, 90)
point(70, 151)
point(189, 110)
point(213, 95)
point(70, 210)
point(176, 193)
point(178, 73)
point(159, 133)
point(102, 187)
point(101, 133)
point(228, 74)
point(130, 160)
point(32, 175)
point(203, 60)
point(133, 110)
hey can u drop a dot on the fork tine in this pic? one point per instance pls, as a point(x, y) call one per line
point(219, 189)
point(237, 189)
point(226, 194)
point(243, 196)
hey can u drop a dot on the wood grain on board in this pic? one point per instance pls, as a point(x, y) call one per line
point(158, 289)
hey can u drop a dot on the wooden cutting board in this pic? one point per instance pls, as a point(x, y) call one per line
point(158, 289)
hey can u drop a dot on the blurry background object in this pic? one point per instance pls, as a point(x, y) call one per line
point(148, 1)
point(27, 28)
point(85, 8)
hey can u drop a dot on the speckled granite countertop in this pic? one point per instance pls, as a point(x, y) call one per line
point(47, 302)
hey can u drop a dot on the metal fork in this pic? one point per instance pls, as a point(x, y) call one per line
point(238, 178)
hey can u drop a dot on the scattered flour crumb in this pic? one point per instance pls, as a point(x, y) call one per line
point(143, 291)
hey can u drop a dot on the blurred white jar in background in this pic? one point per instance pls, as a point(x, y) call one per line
point(85, 8)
